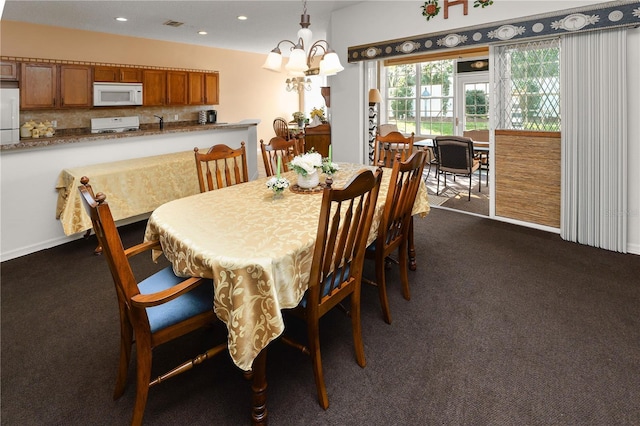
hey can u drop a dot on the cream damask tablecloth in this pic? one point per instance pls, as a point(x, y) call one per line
point(258, 251)
point(133, 187)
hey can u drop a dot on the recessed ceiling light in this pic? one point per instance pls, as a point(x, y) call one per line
point(202, 32)
point(242, 18)
point(121, 19)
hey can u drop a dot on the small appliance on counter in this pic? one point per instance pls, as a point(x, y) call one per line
point(10, 115)
point(212, 116)
point(115, 124)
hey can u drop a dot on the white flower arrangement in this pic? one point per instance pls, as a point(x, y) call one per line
point(277, 184)
point(306, 163)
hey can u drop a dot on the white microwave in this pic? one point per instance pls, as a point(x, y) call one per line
point(117, 94)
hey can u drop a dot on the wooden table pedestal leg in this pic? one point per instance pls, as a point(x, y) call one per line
point(259, 389)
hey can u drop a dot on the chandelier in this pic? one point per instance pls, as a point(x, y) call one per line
point(301, 61)
point(298, 84)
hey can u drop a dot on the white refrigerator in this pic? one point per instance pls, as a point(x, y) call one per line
point(10, 114)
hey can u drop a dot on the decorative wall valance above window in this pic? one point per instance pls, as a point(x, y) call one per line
point(589, 18)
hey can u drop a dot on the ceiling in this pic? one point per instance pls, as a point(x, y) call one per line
point(268, 21)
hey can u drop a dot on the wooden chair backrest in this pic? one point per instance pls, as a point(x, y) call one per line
point(278, 148)
point(221, 166)
point(281, 128)
point(108, 237)
point(391, 144)
point(455, 154)
point(404, 183)
point(345, 219)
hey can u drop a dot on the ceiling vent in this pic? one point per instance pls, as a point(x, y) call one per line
point(173, 23)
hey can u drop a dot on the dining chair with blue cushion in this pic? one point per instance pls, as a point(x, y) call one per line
point(153, 311)
point(336, 270)
point(396, 229)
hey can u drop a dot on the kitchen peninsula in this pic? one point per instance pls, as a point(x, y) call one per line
point(30, 170)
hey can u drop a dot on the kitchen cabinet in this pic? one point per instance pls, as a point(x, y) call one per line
point(196, 88)
point(318, 138)
point(154, 87)
point(8, 70)
point(211, 88)
point(117, 74)
point(38, 86)
point(177, 87)
point(55, 86)
point(76, 84)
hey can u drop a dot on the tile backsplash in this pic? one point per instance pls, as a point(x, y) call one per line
point(81, 118)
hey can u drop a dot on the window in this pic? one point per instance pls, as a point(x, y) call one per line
point(527, 77)
point(420, 96)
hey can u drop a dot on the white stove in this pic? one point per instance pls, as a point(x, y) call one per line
point(115, 124)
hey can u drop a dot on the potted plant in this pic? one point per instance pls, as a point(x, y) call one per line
point(298, 117)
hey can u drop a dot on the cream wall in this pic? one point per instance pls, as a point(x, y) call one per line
point(246, 89)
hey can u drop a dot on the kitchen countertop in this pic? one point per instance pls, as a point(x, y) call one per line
point(145, 130)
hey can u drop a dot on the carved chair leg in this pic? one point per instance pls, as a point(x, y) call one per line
point(98, 249)
point(382, 289)
point(411, 247)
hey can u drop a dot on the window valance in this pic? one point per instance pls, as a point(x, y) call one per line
point(589, 18)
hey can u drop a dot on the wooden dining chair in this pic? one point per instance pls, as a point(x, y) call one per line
point(154, 311)
point(395, 229)
point(455, 156)
point(226, 165)
point(336, 270)
point(391, 144)
point(281, 128)
point(278, 147)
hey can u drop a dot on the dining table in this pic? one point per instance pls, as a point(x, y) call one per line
point(258, 249)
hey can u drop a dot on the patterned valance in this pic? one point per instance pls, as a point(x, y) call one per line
point(589, 18)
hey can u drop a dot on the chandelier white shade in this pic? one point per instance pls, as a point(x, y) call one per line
point(301, 60)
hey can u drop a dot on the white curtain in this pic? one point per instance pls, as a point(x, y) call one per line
point(594, 139)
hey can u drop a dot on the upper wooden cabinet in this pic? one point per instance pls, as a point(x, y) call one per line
point(196, 88)
point(203, 88)
point(154, 87)
point(8, 70)
point(55, 86)
point(75, 86)
point(177, 87)
point(39, 85)
point(211, 88)
point(117, 74)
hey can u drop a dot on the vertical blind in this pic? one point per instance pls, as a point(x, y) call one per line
point(594, 139)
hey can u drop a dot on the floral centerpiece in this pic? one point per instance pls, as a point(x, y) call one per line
point(317, 116)
point(306, 166)
point(278, 183)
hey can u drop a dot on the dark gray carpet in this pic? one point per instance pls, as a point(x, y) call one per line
point(506, 326)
